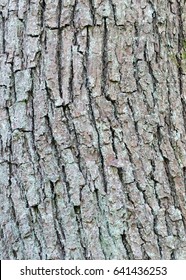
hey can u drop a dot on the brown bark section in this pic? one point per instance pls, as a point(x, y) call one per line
point(92, 129)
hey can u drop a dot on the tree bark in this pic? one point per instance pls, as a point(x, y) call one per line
point(92, 129)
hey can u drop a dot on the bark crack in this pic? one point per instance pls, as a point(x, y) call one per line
point(127, 246)
point(104, 58)
point(57, 225)
point(92, 116)
point(179, 60)
point(77, 210)
point(3, 32)
point(59, 49)
point(168, 173)
point(92, 11)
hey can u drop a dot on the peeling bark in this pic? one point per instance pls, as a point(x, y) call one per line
point(92, 129)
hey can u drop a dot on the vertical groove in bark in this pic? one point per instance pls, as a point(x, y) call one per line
point(92, 130)
point(93, 120)
point(181, 40)
point(59, 47)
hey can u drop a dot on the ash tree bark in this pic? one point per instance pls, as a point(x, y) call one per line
point(92, 129)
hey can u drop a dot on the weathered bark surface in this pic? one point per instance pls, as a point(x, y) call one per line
point(92, 129)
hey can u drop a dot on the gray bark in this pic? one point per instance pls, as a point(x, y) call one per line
point(92, 129)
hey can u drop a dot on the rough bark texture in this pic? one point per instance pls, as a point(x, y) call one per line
point(92, 129)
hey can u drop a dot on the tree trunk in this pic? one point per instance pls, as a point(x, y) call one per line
point(92, 129)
